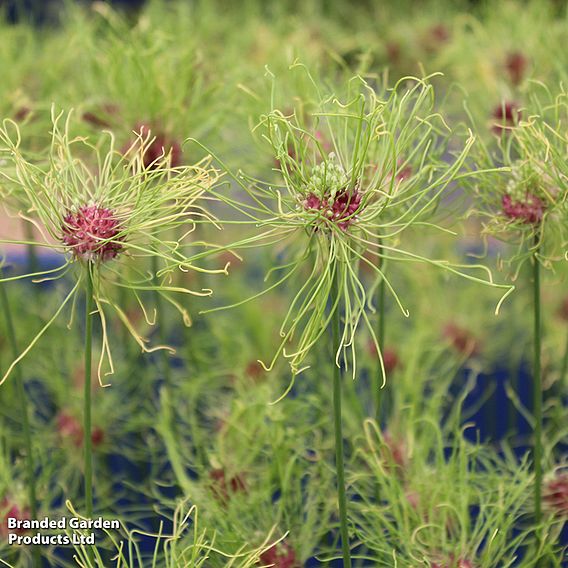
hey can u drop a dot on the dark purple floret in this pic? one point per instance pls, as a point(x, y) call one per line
point(506, 115)
point(280, 555)
point(342, 210)
point(92, 233)
point(224, 486)
point(555, 495)
point(10, 510)
point(313, 202)
point(529, 211)
point(345, 206)
point(393, 51)
point(436, 37)
point(440, 33)
point(516, 65)
point(462, 340)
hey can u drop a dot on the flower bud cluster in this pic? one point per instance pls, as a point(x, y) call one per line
point(328, 192)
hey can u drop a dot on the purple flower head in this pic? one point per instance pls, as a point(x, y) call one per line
point(92, 233)
point(328, 192)
point(341, 210)
point(280, 555)
point(555, 495)
point(461, 339)
point(516, 65)
point(528, 210)
point(224, 486)
point(436, 37)
point(313, 202)
point(440, 33)
point(393, 51)
point(505, 115)
point(9, 509)
point(345, 206)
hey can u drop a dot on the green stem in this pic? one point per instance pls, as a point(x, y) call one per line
point(537, 394)
point(87, 395)
point(341, 495)
point(24, 410)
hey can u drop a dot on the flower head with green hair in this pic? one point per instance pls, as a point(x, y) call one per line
point(106, 212)
point(526, 202)
point(356, 171)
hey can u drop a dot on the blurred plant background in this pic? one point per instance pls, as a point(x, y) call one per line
point(196, 450)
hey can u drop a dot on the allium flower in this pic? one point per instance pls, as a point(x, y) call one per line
point(92, 233)
point(440, 33)
point(526, 202)
point(70, 429)
point(154, 146)
point(255, 371)
point(105, 212)
point(338, 211)
point(505, 116)
point(524, 199)
point(391, 359)
point(223, 487)
point(22, 113)
point(538, 184)
point(462, 340)
point(516, 65)
point(393, 51)
point(529, 209)
point(9, 509)
point(327, 194)
point(280, 555)
point(436, 37)
point(555, 495)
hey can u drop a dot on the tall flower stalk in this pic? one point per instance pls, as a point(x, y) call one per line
point(337, 417)
point(527, 206)
point(341, 204)
point(537, 386)
point(89, 306)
